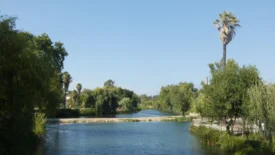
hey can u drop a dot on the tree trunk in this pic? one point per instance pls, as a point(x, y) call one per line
point(224, 56)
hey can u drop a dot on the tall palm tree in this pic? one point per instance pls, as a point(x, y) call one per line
point(78, 88)
point(226, 26)
point(67, 79)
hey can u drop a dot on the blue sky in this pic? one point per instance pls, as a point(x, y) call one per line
point(145, 44)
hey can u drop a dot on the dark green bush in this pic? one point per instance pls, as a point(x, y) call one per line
point(67, 113)
point(70, 113)
point(87, 112)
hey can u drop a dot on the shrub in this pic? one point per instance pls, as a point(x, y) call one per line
point(67, 113)
point(87, 111)
point(231, 143)
point(234, 144)
point(39, 124)
point(206, 135)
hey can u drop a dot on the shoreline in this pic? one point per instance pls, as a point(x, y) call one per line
point(116, 120)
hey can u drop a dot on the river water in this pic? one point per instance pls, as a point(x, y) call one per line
point(133, 138)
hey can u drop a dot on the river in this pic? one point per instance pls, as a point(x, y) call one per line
point(134, 138)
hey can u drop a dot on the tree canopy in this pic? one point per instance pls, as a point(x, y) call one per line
point(30, 71)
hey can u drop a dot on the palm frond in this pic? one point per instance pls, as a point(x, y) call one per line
point(227, 25)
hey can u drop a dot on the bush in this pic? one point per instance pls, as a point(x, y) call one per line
point(206, 135)
point(234, 144)
point(70, 113)
point(231, 143)
point(87, 112)
point(39, 124)
point(67, 113)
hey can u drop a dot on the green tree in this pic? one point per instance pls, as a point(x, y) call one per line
point(187, 93)
point(109, 83)
point(227, 27)
point(177, 98)
point(262, 98)
point(79, 87)
point(74, 97)
point(29, 79)
point(67, 79)
point(87, 99)
point(126, 104)
point(226, 95)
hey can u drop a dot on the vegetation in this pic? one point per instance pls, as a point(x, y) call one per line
point(233, 144)
point(236, 92)
point(262, 103)
point(33, 86)
point(226, 95)
point(67, 79)
point(30, 77)
point(39, 124)
point(226, 26)
point(177, 98)
point(67, 113)
point(149, 102)
point(106, 101)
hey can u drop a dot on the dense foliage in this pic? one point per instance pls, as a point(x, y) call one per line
point(177, 98)
point(149, 102)
point(226, 95)
point(30, 77)
point(261, 107)
point(107, 100)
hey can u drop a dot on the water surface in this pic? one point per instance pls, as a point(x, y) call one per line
point(134, 138)
point(145, 113)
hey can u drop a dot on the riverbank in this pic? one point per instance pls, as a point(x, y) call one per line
point(117, 120)
point(253, 143)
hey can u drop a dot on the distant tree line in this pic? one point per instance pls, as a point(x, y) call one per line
point(107, 100)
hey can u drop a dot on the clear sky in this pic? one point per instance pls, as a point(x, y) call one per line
point(145, 44)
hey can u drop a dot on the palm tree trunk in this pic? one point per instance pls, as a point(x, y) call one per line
point(224, 55)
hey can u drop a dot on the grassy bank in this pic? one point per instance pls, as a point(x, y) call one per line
point(238, 145)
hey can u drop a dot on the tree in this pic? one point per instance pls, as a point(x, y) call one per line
point(79, 87)
point(67, 79)
point(143, 98)
point(87, 99)
point(226, 95)
point(226, 26)
point(74, 97)
point(262, 99)
point(187, 93)
point(109, 83)
point(176, 98)
point(126, 104)
point(30, 68)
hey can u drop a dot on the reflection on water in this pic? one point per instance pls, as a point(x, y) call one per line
point(145, 113)
point(143, 138)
